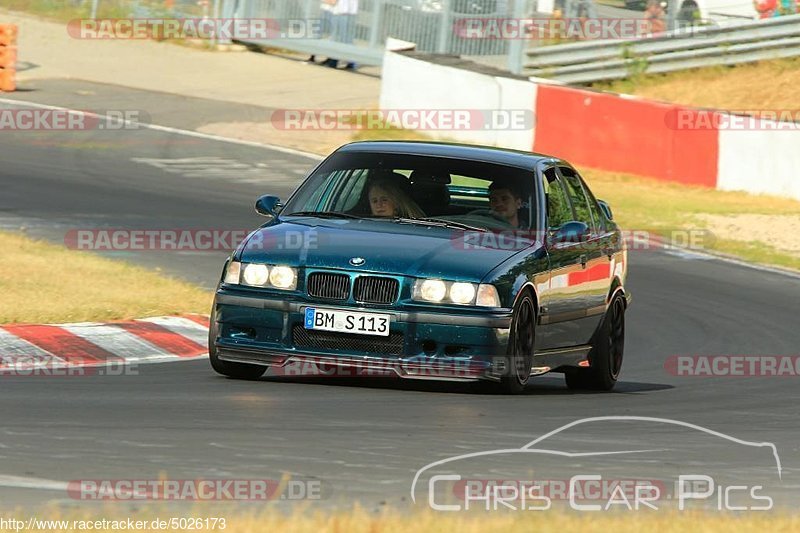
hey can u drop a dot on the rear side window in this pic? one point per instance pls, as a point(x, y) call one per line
point(572, 183)
point(558, 209)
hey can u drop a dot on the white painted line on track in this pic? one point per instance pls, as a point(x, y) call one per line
point(20, 482)
point(168, 129)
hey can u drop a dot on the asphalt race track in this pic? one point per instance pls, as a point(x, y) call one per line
point(364, 438)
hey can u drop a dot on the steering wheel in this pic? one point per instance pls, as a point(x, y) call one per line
point(489, 214)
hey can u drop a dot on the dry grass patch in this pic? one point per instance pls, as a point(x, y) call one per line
point(756, 228)
point(771, 85)
point(45, 283)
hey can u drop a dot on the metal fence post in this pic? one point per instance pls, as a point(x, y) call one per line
point(445, 30)
point(516, 47)
point(375, 22)
point(672, 14)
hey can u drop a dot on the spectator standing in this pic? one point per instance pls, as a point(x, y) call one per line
point(766, 8)
point(344, 13)
point(344, 16)
point(325, 21)
point(654, 15)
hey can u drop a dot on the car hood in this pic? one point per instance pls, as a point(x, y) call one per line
point(386, 247)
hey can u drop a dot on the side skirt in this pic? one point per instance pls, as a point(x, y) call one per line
point(555, 360)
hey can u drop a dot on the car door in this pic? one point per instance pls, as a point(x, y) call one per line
point(563, 321)
point(595, 279)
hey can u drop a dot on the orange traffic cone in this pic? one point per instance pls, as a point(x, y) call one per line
point(8, 34)
point(8, 82)
point(8, 56)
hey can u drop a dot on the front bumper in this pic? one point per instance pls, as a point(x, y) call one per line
point(423, 344)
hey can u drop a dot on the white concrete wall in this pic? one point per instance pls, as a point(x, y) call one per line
point(409, 83)
point(760, 161)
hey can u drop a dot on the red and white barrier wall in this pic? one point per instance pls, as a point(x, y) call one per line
point(606, 131)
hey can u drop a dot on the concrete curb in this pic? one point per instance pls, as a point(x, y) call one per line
point(24, 348)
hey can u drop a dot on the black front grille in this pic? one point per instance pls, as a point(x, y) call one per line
point(375, 290)
point(347, 342)
point(330, 286)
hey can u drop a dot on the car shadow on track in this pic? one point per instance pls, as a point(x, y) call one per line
point(538, 387)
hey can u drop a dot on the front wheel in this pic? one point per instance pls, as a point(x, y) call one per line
point(605, 358)
point(226, 368)
point(519, 358)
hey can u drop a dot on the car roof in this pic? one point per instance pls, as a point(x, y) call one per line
point(488, 154)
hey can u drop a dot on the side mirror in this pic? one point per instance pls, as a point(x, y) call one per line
point(606, 209)
point(570, 232)
point(268, 206)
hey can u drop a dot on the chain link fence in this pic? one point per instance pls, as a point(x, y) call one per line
point(435, 26)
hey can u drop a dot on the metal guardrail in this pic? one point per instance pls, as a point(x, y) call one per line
point(607, 60)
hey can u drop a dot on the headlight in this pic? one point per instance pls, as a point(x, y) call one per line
point(255, 274)
point(456, 292)
point(462, 293)
point(430, 290)
point(283, 277)
point(261, 275)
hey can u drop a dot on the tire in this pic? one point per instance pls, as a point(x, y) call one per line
point(605, 358)
point(226, 368)
point(519, 358)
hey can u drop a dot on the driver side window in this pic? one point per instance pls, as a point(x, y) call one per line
point(559, 211)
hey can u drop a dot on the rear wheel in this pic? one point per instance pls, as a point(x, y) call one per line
point(605, 358)
point(226, 368)
point(519, 360)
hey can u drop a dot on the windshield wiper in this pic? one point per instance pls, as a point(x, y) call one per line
point(322, 214)
point(438, 222)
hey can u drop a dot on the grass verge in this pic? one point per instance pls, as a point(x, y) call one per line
point(738, 87)
point(647, 204)
point(46, 283)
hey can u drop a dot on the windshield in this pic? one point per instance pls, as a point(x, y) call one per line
point(408, 187)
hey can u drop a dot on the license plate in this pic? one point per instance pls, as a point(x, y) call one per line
point(347, 321)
